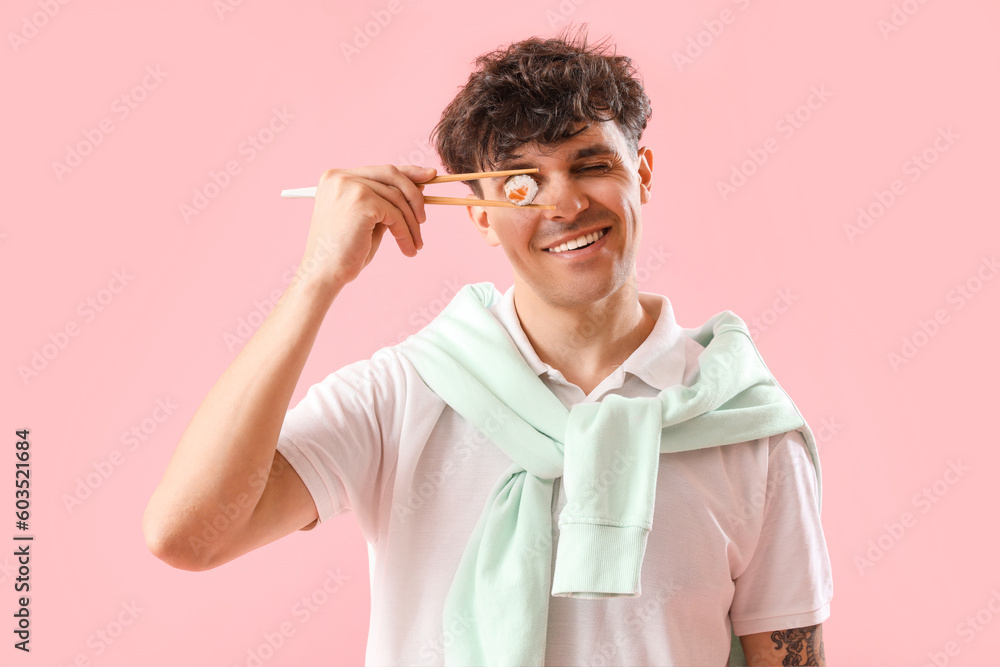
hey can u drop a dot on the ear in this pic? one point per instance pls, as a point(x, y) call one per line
point(480, 218)
point(645, 156)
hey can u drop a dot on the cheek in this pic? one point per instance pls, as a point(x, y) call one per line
point(510, 231)
point(630, 192)
point(614, 195)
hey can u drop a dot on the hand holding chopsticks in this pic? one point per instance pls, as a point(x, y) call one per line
point(456, 201)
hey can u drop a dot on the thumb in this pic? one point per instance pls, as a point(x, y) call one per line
point(418, 174)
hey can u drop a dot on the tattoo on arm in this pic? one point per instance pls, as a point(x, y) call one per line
point(803, 646)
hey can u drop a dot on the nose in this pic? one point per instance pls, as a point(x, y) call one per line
point(565, 194)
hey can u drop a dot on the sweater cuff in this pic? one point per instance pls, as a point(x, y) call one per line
point(598, 561)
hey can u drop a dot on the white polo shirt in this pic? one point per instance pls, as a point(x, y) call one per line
point(736, 535)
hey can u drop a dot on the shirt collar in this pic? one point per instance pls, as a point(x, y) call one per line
point(659, 361)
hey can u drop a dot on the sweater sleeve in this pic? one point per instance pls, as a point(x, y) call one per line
point(341, 439)
point(788, 581)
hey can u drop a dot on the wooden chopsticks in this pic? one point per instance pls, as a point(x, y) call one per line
point(449, 178)
point(464, 201)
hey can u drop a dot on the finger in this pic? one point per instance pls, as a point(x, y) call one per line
point(403, 179)
point(394, 221)
point(391, 217)
point(400, 178)
point(377, 234)
point(399, 201)
point(417, 175)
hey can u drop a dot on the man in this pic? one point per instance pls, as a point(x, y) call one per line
point(737, 546)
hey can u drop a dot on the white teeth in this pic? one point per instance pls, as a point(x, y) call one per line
point(577, 243)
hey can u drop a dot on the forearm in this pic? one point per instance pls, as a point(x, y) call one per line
point(218, 475)
point(225, 453)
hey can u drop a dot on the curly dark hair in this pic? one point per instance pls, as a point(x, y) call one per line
point(538, 90)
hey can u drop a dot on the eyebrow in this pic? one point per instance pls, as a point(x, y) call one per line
point(518, 161)
point(595, 149)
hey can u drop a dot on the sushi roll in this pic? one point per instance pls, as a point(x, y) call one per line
point(520, 189)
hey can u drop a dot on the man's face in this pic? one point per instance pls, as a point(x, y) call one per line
point(596, 185)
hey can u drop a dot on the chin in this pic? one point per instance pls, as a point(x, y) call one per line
point(579, 292)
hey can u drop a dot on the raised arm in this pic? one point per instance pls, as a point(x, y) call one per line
point(226, 490)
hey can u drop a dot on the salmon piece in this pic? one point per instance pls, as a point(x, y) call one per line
point(518, 194)
point(520, 189)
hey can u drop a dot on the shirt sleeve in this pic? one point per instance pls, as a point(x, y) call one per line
point(788, 582)
point(341, 439)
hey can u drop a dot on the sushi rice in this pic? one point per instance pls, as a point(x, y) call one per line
point(520, 189)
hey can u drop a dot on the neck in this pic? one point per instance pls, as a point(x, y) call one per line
point(585, 342)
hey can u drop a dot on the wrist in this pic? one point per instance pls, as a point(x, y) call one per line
point(320, 292)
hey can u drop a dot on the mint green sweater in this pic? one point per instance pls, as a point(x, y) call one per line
point(466, 357)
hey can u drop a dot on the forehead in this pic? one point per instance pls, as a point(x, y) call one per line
point(598, 138)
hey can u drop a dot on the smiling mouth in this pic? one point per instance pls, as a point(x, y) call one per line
point(580, 242)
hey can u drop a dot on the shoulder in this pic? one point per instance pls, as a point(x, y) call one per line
point(788, 456)
point(396, 375)
point(387, 379)
point(790, 450)
point(787, 443)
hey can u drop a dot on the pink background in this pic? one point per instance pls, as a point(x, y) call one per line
point(911, 572)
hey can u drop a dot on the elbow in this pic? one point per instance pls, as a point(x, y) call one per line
point(175, 547)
